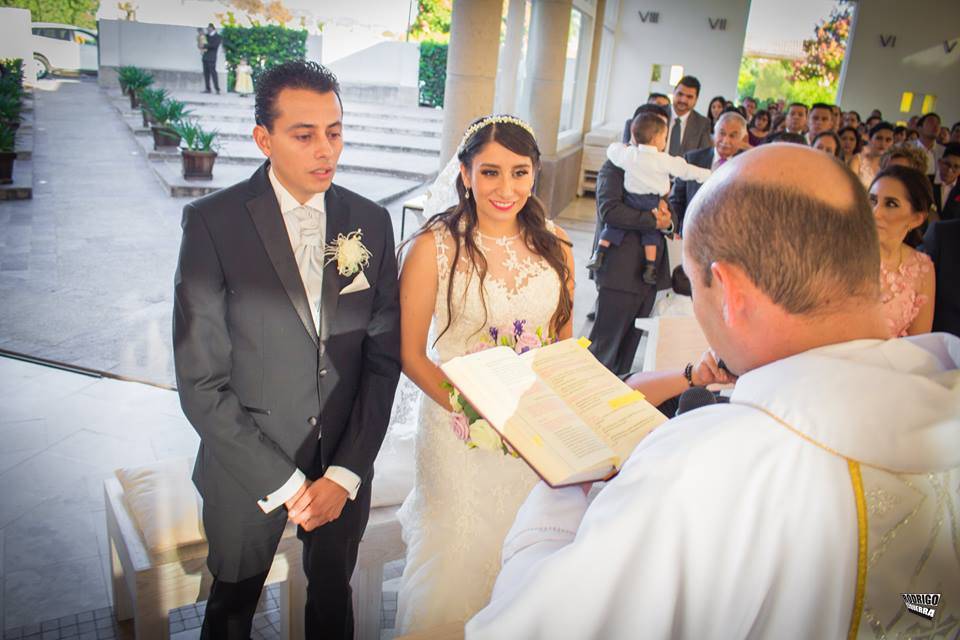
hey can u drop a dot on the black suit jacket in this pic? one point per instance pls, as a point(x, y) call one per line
point(696, 135)
point(684, 190)
point(942, 244)
point(623, 265)
point(255, 380)
point(210, 49)
point(950, 211)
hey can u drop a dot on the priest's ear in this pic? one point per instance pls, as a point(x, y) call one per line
point(736, 292)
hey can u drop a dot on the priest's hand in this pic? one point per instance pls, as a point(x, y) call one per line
point(708, 371)
point(320, 503)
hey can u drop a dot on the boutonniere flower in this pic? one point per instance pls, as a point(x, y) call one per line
point(348, 252)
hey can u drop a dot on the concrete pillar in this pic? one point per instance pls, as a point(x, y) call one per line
point(471, 69)
point(506, 96)
point(546, 51)
point(594, 65)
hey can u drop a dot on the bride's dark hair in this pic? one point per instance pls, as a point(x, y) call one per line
point(461, 220)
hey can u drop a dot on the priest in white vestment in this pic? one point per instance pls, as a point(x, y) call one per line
point(806, 508)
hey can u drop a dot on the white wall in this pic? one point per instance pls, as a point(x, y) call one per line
point(16, 39)
point(151, 46)
point(681, 36)
point(383, 63)
point(875, 76)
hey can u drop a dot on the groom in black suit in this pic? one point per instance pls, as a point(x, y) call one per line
point(287, 361)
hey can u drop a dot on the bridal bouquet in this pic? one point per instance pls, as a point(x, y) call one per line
point(467, 424)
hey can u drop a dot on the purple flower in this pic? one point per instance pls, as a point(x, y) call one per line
point(518, 327)
point(495, 334)
point(527, 341)
point(460, 426)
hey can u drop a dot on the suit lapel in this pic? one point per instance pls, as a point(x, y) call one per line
point(338, 222)
point(265, 213)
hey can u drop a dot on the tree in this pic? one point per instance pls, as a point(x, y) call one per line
point(256, 11)
point(81, 13)
point(825, 51)
point(432, 23)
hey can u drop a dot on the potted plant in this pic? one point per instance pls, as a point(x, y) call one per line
point(124, 75)
point(199, 151)
point(168, 113)
point(10, 107)
point(151, 99)
point(137, 83)
point(8, 153)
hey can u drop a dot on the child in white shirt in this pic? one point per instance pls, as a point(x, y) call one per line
point(647, 170)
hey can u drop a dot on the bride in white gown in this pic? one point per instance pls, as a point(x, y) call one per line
point(490, 259)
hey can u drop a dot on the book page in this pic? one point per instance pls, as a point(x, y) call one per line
point(529, 415)
point(605, 403)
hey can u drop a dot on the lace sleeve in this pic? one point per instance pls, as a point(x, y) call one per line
point(443, 261)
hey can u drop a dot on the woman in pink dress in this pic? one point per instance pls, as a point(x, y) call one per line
point(901, 198)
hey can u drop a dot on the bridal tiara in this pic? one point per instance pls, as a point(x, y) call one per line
point(494, 120)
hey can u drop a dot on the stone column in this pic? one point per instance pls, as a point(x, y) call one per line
point(471, 68)
point(546, 52)
point(506, 97)
point(594, 65)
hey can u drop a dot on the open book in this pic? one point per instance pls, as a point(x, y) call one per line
point(558, 407)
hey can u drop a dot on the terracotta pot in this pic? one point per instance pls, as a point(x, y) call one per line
point(164, 137)
point(6, 166)
point(198, 164)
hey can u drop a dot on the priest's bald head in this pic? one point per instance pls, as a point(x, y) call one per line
point(782, 252)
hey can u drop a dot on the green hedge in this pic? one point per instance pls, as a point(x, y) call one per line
point(263, 47)
point(433, 73)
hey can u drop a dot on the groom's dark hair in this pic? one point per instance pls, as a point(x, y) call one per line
point(294, 74)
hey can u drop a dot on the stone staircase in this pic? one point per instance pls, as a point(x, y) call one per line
point(389, 151)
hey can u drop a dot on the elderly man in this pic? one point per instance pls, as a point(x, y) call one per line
point(804, 508)
point(728, 136)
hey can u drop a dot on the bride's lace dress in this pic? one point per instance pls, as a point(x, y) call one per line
point(465, 500)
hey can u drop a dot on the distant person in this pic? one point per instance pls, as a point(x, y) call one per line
point(899, 134)
point(901, 199)
point(828, 142)
point(209, 58)
point(715, 108)
point(942, 244)
point(851, 119)
point(850, 148)
point(837, 117)
point(647, 170)
point(928, 127)
point(955, 132)
point(944, 136)
point(749, 107)
point(201, 39)
point(796, 121)
point(655, 99)
point(946, 189)
point(759, 127)
point(904, 155)
point(244, 81)
point(820, 120)
point(879, 140)
point(688, 130)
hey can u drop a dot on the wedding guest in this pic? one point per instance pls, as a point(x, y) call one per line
point(880, 139)
point(209, 58)
point(837, 114)
point(901, 199)
point(913, 136)
point(779, 124)
point(899, 134)
point(786, 136)
point(912, 122)
point(851, 119)
point(715, 108)
point(944, 136)
point(946, 189)
point(742, 520)
point(820, 119)
point(828, 142)
point(850, 147)
point(688, 129)
point(876, 114)
point(759, 127)
point(928, 127)
point(942, 244)
point(658, 100)
point(243, 84)
point(904, 155)
point(749, 107)
point(796, 118)
point(955, 132)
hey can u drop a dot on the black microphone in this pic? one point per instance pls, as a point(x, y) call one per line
point(694, 398)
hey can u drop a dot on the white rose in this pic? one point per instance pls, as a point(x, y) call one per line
point(351, 255)
point(483, 435)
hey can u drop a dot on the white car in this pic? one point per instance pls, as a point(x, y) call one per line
point(64, 48)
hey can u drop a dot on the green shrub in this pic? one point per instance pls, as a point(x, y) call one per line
point(135, 79)
point(151, 99)
point(195, 137)
point(7, 139)
point(169, 113)
point(433, 73)
point(262, 46)
point(11, 69)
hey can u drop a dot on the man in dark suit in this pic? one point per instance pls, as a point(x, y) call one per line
point(694, 129)
point(946, 189)
point(287, 361)
point(209, 58)
point(942, 244)
point(622, 295)
point(728, 138)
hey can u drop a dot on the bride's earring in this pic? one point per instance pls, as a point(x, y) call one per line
point(467, 196)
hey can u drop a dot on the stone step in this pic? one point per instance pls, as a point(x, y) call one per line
point(22, 186)
point(24, 144)
point(380, 189)
point(424, 145)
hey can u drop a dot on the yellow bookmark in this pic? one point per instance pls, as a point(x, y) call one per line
point(583, 342)
point(538, 440)
point(625, 399)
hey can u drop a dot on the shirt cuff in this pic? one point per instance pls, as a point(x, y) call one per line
point(345, 478)
point(284, 493)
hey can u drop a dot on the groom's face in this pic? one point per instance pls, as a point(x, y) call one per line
point(305, 141)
